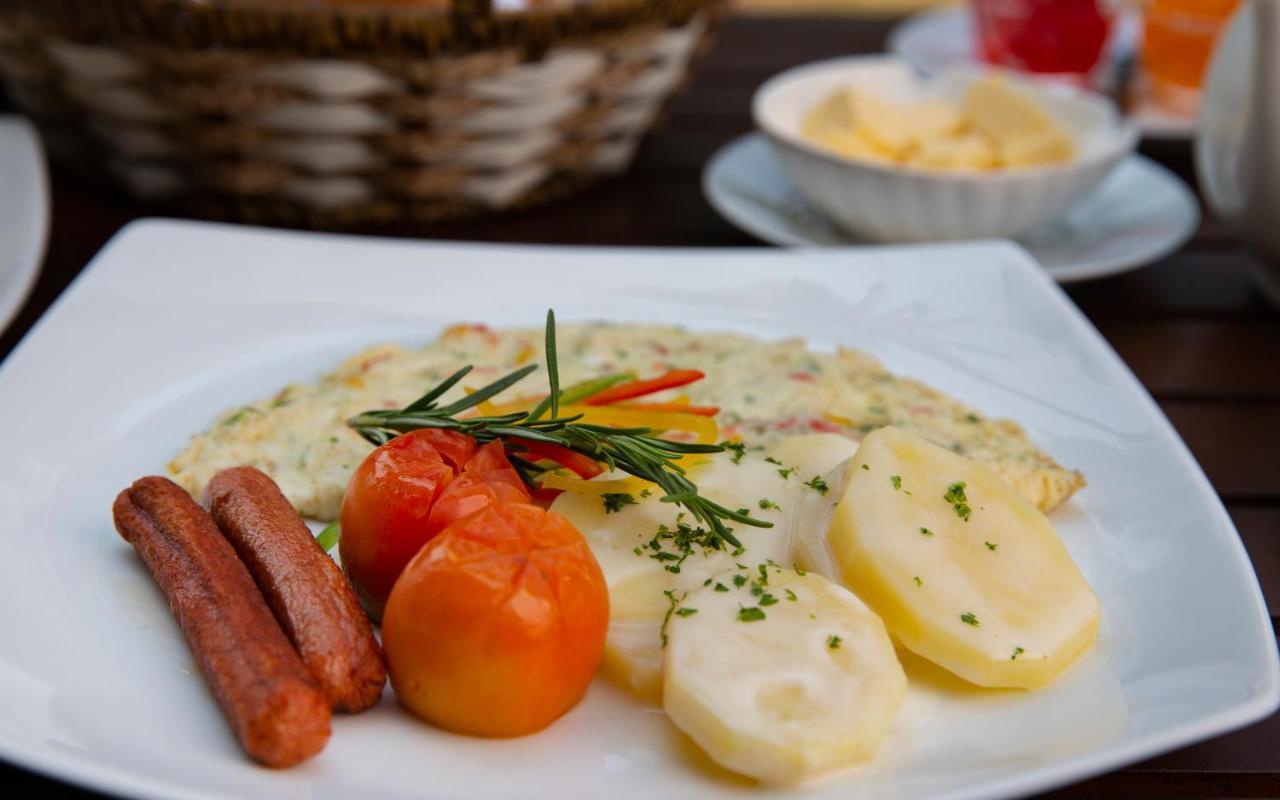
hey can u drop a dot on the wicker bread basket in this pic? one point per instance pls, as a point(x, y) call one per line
point(335, 113)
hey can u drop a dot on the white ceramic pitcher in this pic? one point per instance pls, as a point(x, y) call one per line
point(1238, 141)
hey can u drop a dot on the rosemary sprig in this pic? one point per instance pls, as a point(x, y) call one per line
point(636, 451)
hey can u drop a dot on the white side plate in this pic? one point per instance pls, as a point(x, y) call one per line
point(174, 322)
point(1140, 213)
point(24, 214)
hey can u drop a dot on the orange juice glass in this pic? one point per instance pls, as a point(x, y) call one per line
point(1178, 39)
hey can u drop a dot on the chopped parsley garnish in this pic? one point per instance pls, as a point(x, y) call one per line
point(764, 575)
point(916, 578)
point(972, 418)
point(683, 539)
point(686, 611)
point(991, 546)
point(646, 493)
point(672, 602)
point(833, 641)
point(720, 587)
point(800, 572)
point(790, 594)
point(614, 501)
point(785, 472)
point(739, 449)
point(1017, 651)
point(772, 460)
point(333, 440)
point(739, 580)
point(955, 496)
point(767, 599)
point(234, 418)
point(817, 484)
point(766, 504)
point(868, 469)
point(926, 532)
point(750, 614)
point(969, 619)
point(896, 480)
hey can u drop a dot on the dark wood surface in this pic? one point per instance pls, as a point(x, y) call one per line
point(1192, 327)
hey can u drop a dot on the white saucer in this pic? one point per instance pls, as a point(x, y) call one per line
point(24, 214)
point(1139, 214)
point(935, 40)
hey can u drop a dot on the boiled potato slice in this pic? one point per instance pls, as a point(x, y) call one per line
point(814, 453)
point(633, 657)
point(1043, 148)
point(1008, 113)
point(972, 151)
point(834, 114)
point(828, 456)
point(886, 124)
point(638, 582)
point(962, 569)
point(933, 119)
point(852, 144)
point(810, 686)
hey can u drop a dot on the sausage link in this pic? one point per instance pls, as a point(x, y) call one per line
point(311, 598)
point(266, 693)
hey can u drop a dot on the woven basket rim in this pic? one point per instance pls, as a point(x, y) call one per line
point(342, 27)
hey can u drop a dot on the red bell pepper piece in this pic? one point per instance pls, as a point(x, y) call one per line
point(633, 389)
point(582, 466)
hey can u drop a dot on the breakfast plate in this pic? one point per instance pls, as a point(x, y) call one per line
point(100, 691)
point(936, 40)
point(24, 214)
point(1141, 213)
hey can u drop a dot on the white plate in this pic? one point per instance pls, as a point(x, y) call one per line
point(24, 214)
point(935, 40)
point(1140, 213)
point(98, 688)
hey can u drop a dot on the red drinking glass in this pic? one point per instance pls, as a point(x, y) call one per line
point(1061, 37)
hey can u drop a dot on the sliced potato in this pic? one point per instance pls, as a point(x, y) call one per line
point(633, 657)
point(962, 569)
point(1009, 113)
point(814, 453)
point(638, 581)
point(827, 456)
point(810, 686)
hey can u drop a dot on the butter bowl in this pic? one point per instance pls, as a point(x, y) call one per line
point(892, 202)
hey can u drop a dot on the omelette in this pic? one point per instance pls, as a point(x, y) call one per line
point(766, 391)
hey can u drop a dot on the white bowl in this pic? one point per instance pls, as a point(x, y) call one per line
point(886, 202)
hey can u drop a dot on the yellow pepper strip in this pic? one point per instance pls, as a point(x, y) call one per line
point(484, 408)
point(704, 428)
point(563, 479)
point(567, 481)
point(839, 420)
point(525, 353)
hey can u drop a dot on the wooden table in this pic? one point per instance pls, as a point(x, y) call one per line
point(1191, 327)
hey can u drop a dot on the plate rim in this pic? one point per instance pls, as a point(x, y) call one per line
point(31, 260)
point(101, 776)
point(1189, 213)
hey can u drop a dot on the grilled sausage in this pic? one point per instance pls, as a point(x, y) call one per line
point(266, 693)
point(309, 595)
